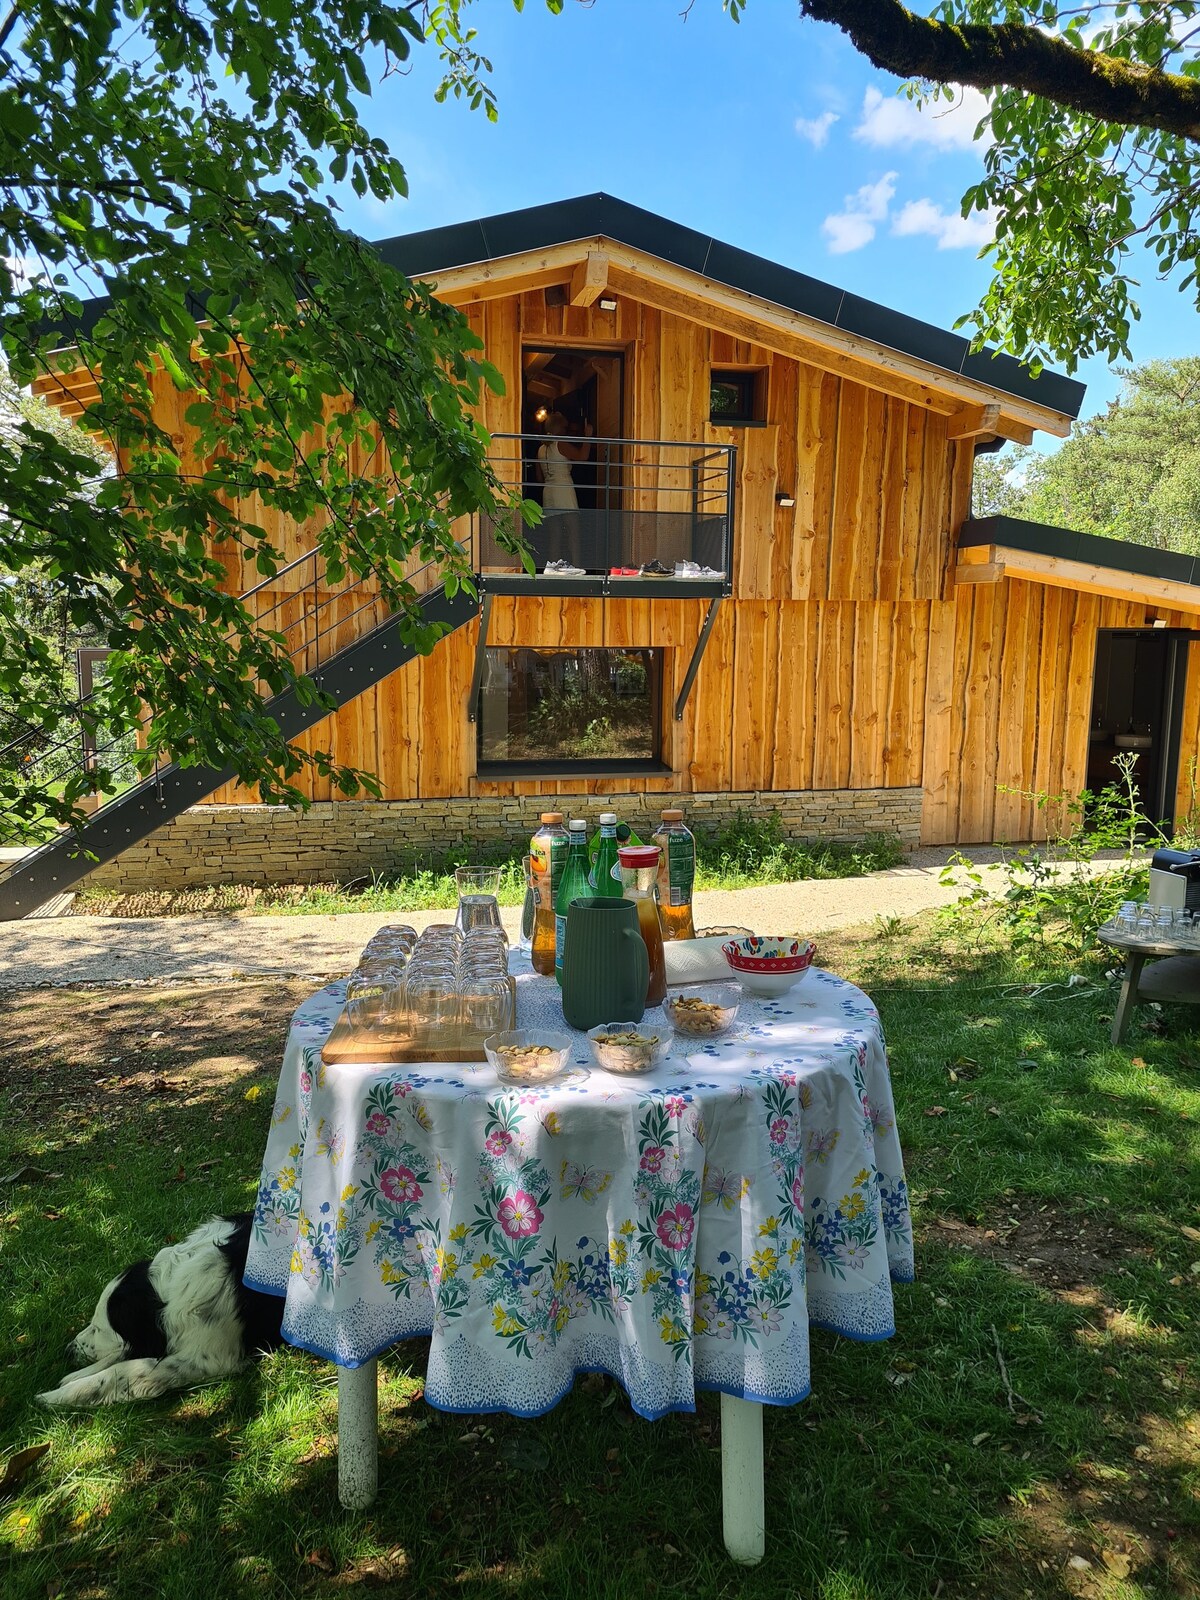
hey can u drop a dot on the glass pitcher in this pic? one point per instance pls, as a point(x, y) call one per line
point(478, 898)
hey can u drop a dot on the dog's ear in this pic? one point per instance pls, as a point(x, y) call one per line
point(135, 1313)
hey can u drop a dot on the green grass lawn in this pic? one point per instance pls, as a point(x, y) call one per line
point(1056, 1187)
point(747, 852)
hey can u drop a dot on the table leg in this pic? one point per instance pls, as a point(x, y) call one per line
point(742, 1479)
point(358, 1435)
point(1133, 971)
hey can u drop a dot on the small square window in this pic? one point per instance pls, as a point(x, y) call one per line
point(737, 397)
point(564, 710)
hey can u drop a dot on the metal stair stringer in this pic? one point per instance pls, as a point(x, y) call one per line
point(132, 816)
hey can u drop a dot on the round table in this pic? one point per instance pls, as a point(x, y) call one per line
point(680, 1230)
point(1174, 976)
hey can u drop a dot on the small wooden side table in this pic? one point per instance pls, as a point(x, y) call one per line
point(1175, 976)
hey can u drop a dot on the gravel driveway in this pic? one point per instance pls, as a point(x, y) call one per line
point(120, 950)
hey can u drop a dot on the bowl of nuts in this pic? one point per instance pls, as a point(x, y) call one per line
point(629, 1046)
point(529, 1055)
point(703, 1012)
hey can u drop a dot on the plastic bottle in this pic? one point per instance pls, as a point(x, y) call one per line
point(639, 868)
point(548, 856)
point(574, 886)
point(676, 877)
point(606, 869)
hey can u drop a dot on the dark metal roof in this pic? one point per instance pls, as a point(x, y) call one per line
point(540, 227)
point(1040, 538)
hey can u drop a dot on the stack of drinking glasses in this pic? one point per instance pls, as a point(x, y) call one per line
point(447, 990)
point(373, 991)
point(1156, 924)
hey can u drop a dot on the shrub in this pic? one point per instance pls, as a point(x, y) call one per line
point(1056, 896)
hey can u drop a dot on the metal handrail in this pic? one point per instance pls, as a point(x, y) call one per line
point(311, 631)
point(687, 485)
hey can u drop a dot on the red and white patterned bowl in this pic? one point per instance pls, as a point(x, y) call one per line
point(766, 965)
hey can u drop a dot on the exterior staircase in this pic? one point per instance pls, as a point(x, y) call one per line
point(343, 640)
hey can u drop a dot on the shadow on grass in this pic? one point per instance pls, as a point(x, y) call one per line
point(1024, 1419)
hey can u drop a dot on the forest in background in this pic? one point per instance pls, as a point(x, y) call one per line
point(1131, 472)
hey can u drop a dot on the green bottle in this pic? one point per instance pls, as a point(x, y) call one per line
point(574, 886)
point(606, 870)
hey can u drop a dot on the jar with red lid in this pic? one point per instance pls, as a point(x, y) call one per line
point(639, 877)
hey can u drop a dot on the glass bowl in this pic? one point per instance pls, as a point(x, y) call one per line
point(527, 1057)
point(625, 1047)
point(702, 1010)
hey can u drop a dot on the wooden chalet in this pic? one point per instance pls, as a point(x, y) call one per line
point(771, 594)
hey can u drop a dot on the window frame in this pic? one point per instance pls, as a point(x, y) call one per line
point(583, 767)
point(751, 382)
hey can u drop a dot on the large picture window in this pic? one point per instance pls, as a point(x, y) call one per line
point(546, 711)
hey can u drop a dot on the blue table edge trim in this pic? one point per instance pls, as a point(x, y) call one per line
point(701, 1386)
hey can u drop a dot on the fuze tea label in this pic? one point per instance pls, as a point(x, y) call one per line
point(676, 870)
point(548, 858)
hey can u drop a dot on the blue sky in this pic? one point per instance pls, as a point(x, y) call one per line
point(773, 134)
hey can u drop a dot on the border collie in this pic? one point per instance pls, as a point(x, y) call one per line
point(181, 1319)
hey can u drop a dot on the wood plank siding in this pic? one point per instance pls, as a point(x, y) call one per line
point(847, 657)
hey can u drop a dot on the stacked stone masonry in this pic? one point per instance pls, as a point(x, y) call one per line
point(335, 842)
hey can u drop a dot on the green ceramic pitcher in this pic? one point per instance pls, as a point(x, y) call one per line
point(606, 970)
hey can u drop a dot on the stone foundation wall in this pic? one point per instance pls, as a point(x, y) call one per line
point(334, 842)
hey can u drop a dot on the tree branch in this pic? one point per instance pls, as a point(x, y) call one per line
point(1015, 56)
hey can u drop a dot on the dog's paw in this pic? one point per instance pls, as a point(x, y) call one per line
point(53, 1397)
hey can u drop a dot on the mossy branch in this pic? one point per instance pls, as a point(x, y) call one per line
point(1015, 56)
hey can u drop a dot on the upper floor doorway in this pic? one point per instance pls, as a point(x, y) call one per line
point(572, 402)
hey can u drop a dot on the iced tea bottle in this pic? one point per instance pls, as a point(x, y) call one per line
point(639, 872)
point(547, 857)
point(676, 877)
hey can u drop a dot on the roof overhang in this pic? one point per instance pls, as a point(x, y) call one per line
point(597, 242)
point(994, 548)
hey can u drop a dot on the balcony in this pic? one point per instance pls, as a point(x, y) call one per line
point(652, 518)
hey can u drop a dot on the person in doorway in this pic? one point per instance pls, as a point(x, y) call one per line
point(555, 457)
point(558, 497)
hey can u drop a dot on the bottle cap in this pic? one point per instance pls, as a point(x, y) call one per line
point(672, 816)
point(577, 825)
point(638, 855)
point(608, 819)
point(552, 816)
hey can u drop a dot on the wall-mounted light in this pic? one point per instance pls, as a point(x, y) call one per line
point(785, 501)
point(607, 303)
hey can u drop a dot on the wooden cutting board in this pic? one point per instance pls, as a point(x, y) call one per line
point(347, 1046)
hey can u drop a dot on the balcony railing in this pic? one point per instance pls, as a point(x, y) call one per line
point(641, 504)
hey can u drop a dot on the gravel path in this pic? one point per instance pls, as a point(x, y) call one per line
point(118, 950)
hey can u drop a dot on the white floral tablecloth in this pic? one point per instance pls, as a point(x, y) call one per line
point(678, 1230)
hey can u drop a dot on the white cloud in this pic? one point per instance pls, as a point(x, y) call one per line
point(891, 122)
point(25, 273)
point(816, 129)
point(952, 231)
point(854, 225)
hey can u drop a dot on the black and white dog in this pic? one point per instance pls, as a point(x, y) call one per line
point(181, 1319)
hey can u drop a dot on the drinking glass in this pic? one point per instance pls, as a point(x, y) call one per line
point(529, 908)
point(478, 902)
point(373, 995)
point(487, 1005)
point(430, 1002)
